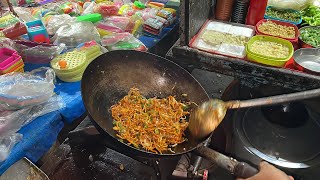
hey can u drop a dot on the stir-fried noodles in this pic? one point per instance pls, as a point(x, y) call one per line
point(153, 124)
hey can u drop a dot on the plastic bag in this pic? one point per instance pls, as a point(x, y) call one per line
point(75, 33)
point(135, 25)
point(88, 8)
point(106, 9)
point(6, 43)
point(118, 21)
point(7, 20)
point(71, 8)
point(290, 4)
point(56, 21)
point(12, 121)
point(24, 14)
point(148, 13)
point(20, 90)
point(7, 143)
point(122, 41)
point(37, 53)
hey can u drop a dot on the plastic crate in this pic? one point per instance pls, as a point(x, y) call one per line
point(8, 59)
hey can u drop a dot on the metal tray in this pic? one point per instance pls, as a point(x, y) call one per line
point(24, 169)
point(308, 58)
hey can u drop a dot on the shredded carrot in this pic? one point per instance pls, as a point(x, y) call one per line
point(153, 124)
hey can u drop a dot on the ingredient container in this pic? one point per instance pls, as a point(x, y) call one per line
point(279, 30)
point(284, 15)
point(278, 60)
point(310, 36)
point(223, 38)
point(308, 59)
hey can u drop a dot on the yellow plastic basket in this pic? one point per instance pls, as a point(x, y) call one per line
point(13, 67)
point(71, 79)
point(76, 61)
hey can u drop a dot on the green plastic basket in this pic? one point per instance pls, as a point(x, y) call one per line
point(71, 79)
point(76, 61)
point(271, 61)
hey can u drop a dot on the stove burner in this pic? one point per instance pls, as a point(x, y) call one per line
point(290, 115)
point(270, 138)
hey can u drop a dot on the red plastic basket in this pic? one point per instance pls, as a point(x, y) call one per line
point(294, 41)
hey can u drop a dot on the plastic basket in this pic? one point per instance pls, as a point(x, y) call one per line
point(13, 67)
point(278, 62)
point(21, 69)
point(283, 20)
point(8, 58)
point(75, 61)
point(71, 79)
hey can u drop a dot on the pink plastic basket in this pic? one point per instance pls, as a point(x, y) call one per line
point(8, 58)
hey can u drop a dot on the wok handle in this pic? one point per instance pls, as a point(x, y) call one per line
point(272, 100)
point(244, 170)
point(238, 169)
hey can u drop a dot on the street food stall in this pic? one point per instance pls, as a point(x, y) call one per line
point(80, 93)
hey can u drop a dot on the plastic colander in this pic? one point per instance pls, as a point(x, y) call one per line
point(75, 61)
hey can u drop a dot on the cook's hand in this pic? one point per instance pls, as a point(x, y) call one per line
point(269, 172)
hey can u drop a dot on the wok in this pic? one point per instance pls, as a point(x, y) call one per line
point(109, 78)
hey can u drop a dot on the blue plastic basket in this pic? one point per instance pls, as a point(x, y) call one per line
point(283, 20)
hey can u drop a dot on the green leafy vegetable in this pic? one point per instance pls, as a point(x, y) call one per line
point(311, 15)
point(311, 36)
point(283, 14)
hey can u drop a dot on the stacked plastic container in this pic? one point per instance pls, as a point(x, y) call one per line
point(10, 61)
point(69, 67)
point(240, 10)
point(223, 9)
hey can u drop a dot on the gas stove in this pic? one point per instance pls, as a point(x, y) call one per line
point(285, 135)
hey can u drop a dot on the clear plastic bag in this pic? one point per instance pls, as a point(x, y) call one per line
point(20, 90)
point(75, 33)
point(106, 9)
point(112, 39)
point(88, 8)
point(290, 4)
point(7, 143)
point(37, 53)
point(7, 19)
point(56, 21)
point(122, 41)
point(12, 121)
point(71, 8)
point(6, 43)
point(24, 14)
point(118, 21)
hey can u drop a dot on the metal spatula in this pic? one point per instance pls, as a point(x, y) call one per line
point(209, 115)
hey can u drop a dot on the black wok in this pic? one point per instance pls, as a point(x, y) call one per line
point(109, 78)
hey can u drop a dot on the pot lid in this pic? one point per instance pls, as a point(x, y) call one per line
point(285, 135)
